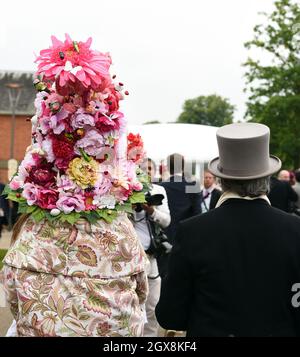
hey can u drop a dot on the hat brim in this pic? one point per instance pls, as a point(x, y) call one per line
point(274, 166)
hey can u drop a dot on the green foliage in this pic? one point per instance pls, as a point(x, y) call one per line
point(207, 110)
point(137, 197)
point(274, 88)
point(2, 255)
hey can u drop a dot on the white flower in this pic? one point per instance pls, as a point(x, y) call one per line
point(48, 150)
point(106, 201)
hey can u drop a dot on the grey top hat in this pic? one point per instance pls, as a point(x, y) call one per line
point(244, 152)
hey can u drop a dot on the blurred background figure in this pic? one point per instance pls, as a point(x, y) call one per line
point(210, 194)
point(292, 178)
point(182, 205)
point(284, 175)
point(296, 187)
point(147, 220)
point(4, 210)
point(281, 194)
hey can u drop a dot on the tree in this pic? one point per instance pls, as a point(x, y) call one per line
point(207, 110)
point(274, 87)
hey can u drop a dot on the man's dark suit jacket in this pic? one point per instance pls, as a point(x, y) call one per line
point(282, 195)
point(182, 205)
point(231, 272)
point(215, 195)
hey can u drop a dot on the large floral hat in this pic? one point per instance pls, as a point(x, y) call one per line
point(78, 164)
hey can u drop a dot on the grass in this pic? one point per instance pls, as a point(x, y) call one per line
point(2, 255)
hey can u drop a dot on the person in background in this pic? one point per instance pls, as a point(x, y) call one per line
point(282, 195)
point(143, 218)
point(284, 175)
point(292, 178)
point(296, 187)
point(210, 194)
point(3, 209)
point(182, 203)
point(234, 271)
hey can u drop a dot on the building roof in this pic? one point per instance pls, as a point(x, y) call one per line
point(194, 142)
point(25, 105)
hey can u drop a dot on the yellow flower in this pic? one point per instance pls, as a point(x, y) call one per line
point(83, 172)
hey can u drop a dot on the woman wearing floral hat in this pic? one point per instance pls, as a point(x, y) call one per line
point(76, 267)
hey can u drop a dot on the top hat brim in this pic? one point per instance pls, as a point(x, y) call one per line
point(274, 166)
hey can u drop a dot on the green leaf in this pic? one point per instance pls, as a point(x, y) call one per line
point(137, 197)
point(92, 217)
point(6, 190)
point(70, 218)
point(107, 215)
point(12, 196)
point(126, 207)
point(31, 209)
point(38, 214)
point(85, 155)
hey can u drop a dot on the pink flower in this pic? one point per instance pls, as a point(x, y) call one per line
point(16, 183)
point(54, 102)
point(89, 201)
point(64, 184)
point(47, 198)
point(30, 193)
point(113, 101)
point(62, 163)
point(29, 160)
point(120, 193)
point(57, 121)
point(91, 143)
point(106, 124)
point(73, 62)
point(69, 203)
point(137, 186)
point(70, 107)
point(80, 120)
point(62, 146)
point(96, 106)
point(39, 102)
point(42, 175)
point(103, 185)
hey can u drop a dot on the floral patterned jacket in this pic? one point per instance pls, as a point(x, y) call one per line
point(81, 280)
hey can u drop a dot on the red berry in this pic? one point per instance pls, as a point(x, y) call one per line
point(126, 92)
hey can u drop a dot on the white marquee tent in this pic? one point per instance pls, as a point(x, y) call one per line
point(196, 143)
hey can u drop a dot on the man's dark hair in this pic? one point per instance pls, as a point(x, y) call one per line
point(175, 164)
point(149, 160)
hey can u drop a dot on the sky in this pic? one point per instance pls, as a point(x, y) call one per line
point(164, 51)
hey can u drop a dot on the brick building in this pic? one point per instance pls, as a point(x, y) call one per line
point(15, 87)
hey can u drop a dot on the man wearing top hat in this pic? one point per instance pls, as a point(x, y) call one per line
point(234, 271)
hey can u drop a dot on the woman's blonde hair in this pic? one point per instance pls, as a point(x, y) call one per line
point(18, 226)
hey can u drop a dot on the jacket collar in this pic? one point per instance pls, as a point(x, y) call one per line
point(231, 195)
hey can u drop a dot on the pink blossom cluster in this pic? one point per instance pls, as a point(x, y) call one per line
point(73, 164)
